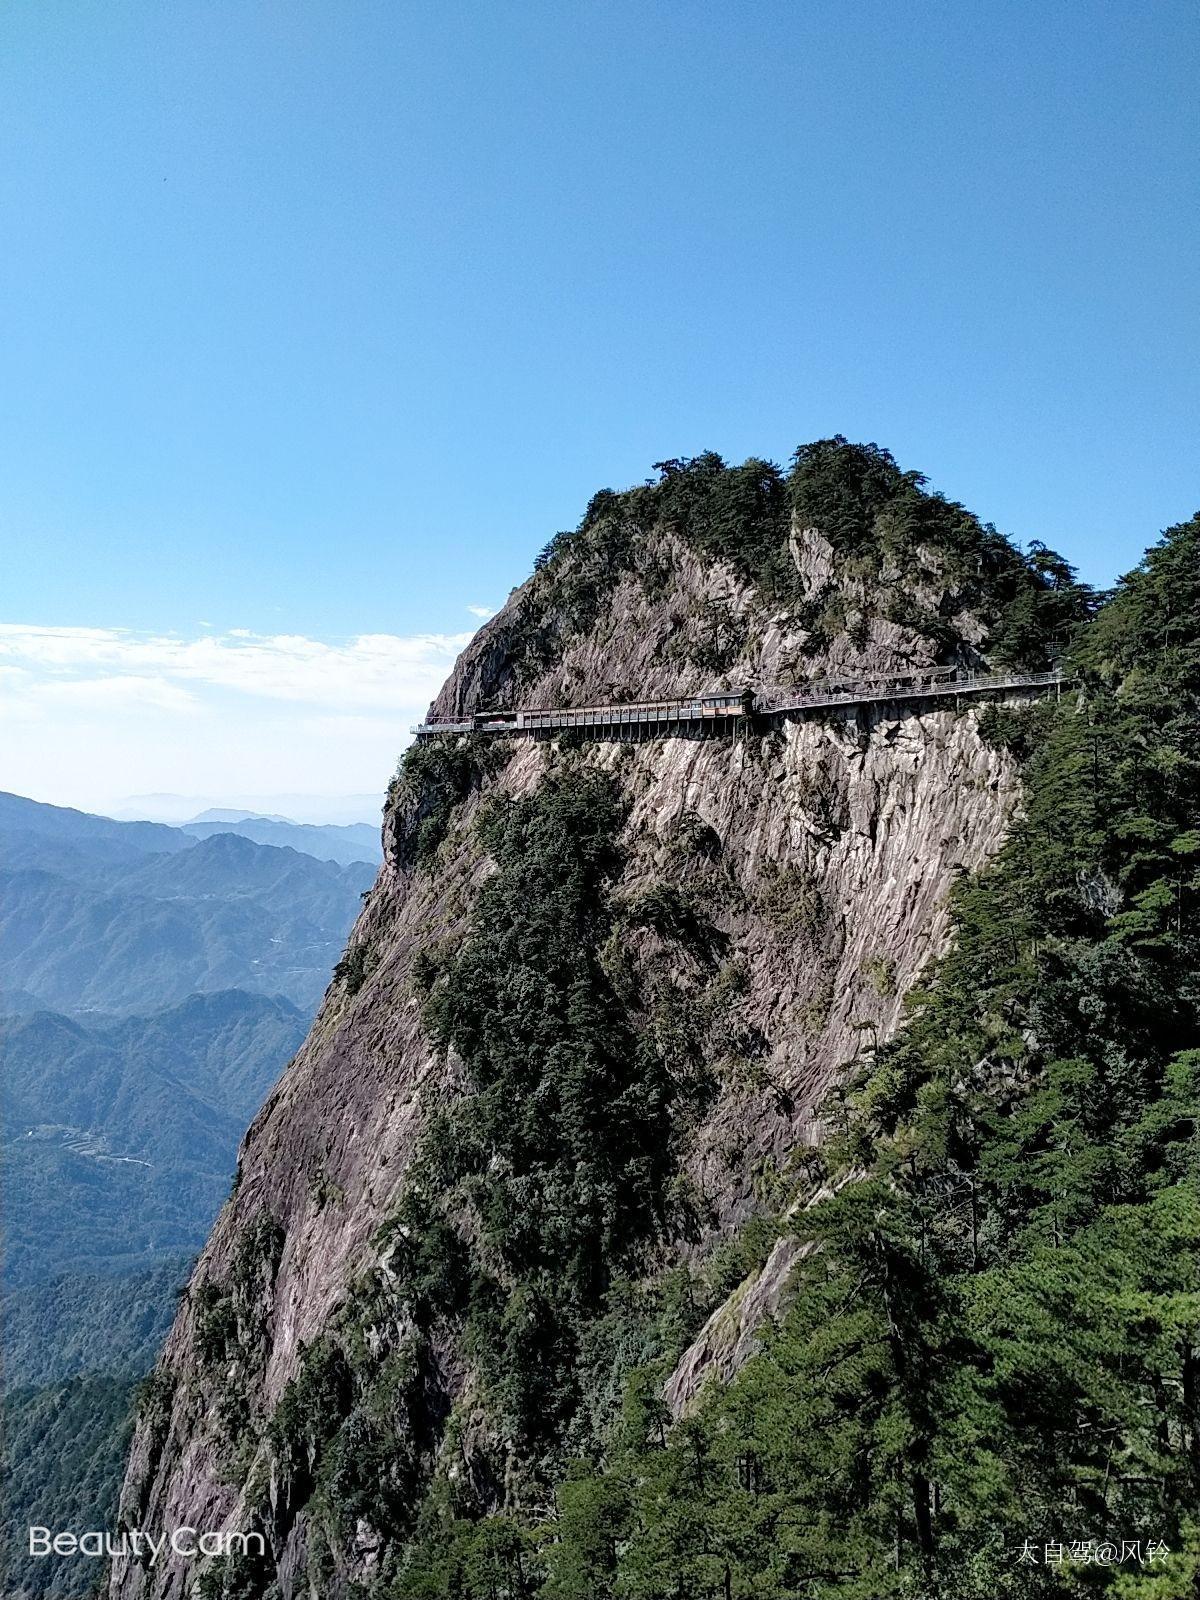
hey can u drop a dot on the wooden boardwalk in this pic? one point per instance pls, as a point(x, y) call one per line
point(725, 712)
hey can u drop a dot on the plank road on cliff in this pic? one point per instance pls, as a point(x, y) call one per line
point(727, 711)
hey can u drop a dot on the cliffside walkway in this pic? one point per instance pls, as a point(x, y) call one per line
point(725, 712)
point(959, 684)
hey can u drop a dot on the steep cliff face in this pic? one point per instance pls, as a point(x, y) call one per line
point(750, 917)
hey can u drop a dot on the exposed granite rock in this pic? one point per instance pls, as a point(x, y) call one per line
point(836, 842)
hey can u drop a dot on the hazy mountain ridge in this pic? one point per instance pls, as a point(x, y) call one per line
point(65, 825)
point(341, 842)
point(31, 829)
point(118, 1135)
point(140, 929)
point(317, 810)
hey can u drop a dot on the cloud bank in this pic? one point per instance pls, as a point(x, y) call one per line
point(88, 715)
point(374, 669)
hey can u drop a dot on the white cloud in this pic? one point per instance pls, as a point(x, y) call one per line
point(94, 714)
point(482, 611)
point(372, 670)
point(113, 693)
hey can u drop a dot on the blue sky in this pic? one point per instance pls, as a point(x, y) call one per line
point(320, 318)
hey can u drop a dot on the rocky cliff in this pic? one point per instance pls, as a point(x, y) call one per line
point(559, 1098)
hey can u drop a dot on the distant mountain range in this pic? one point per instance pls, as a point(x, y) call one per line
point(154, 982)
point(110, 837)
point(119, 1136)
point(97, 915)
point(355, 841)
point(318, 809)
point(36, 835)
point(152, 986)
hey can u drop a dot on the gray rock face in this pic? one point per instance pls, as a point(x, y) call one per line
point(676, 625)
point(835, 843)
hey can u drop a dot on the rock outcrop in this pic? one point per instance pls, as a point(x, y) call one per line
point(820, 853)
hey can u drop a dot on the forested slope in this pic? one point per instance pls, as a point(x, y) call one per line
point(651, 1212)
point(992, 1352)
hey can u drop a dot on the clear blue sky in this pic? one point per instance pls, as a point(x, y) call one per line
point(321, 316)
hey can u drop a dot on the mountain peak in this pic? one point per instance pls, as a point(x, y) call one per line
point(224, 814)
point(584, 1025)
point(715, 577)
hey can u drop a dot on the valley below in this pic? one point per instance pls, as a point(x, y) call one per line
point(156, 981)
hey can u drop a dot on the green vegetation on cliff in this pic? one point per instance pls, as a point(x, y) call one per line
point(989, 1354)
point(563, 1147)
point(992, 1348)
point(920, 559)
point(536, 1198)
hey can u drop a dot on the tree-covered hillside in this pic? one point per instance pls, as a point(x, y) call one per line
point(991, 1357)
point(64, 1446)
point(591, 1057)
point(129, 916)
point(119, 1136)
point(120, 1141)
point(75, 1324)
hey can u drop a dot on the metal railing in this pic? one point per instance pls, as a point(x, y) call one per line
point(723, 709)
point(889, 689)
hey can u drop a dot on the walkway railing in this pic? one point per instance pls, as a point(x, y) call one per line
point(723, 711)
point(887, 690)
